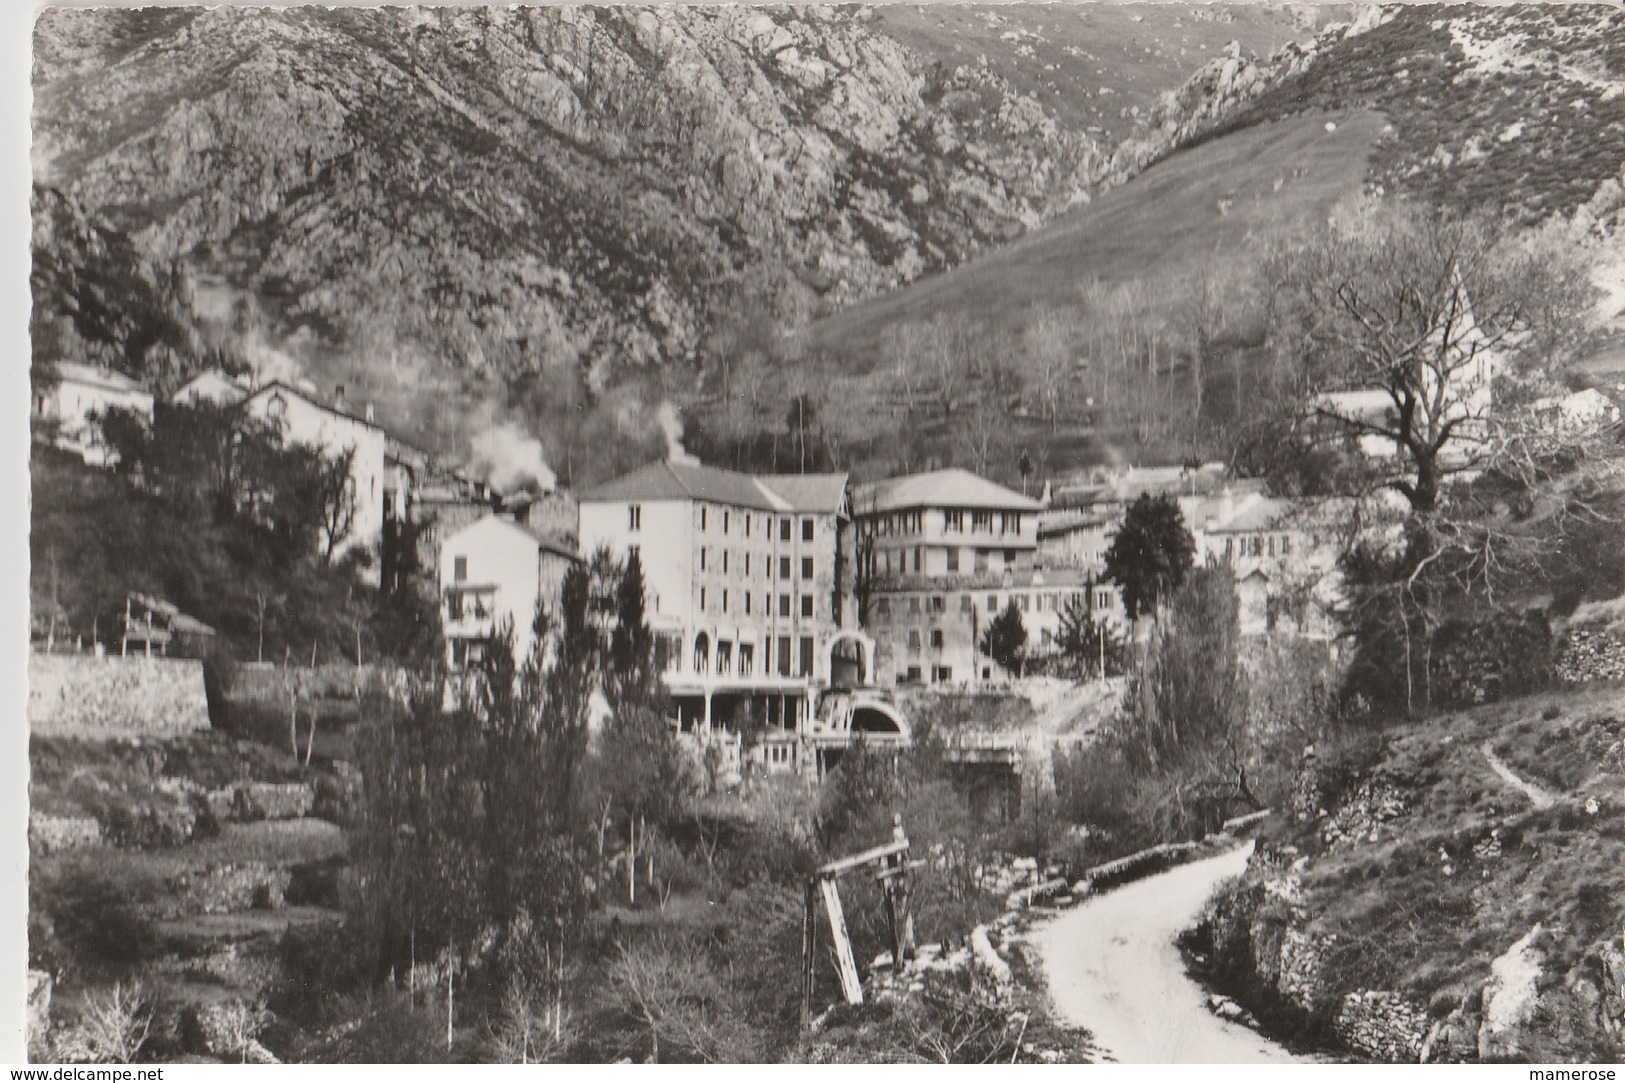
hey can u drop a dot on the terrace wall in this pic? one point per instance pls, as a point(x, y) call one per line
point(81, 695)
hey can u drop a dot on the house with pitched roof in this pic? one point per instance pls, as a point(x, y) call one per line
point(942, 554)
point(79, 393)
point(493, 574)
point(332, 427)
point(214, 386)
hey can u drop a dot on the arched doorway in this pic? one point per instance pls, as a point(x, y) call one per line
point(702, 653)
point(851, 660)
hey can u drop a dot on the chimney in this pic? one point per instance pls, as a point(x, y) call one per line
point(338, 399)
point(1227, 505)
point(371, 416)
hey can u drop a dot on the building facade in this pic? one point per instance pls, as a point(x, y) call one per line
point(746, 587)
point(940, 555)
point(330, 427)
point(493, 575)
point(80, 393)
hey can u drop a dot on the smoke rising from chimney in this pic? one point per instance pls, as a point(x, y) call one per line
point(672, 426)
point(510, 459)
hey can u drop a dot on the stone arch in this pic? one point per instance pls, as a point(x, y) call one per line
point(878, 717)
point(865, 649)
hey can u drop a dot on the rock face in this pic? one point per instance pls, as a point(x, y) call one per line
point(1509, 998)
point(1483, 102)
point(487, 185)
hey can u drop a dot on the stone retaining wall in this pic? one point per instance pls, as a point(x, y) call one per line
point(270, 681)
point(1591, 654)
point(81, 695)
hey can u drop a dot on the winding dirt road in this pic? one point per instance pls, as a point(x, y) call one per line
point(1113, 969)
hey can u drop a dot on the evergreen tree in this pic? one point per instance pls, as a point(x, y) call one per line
point(631, 648)
point(1151, 553)
point(1006, 639)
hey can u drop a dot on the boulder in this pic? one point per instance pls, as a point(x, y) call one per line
point(1509, 998)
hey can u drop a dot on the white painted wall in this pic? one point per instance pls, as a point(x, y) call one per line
point(306, 422)
point(500, 554)
point(71, 403)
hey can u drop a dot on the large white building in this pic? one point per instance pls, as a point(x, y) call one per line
point(748, 589)
point(494, 574)
point(943, 554)
point(79, 394)
point(332, 428)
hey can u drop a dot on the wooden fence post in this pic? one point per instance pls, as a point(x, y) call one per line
point(851, 985)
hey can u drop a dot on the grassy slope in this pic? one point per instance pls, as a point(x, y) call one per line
point(1426, 907)
point(1163, 225)
point(1166, 220)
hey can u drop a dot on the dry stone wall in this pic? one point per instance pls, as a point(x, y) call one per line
point(79, 695)
point(1592, 654)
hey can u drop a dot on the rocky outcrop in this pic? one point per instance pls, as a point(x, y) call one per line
point(1509, 998)
point(1268, 949)
point(1432, 74)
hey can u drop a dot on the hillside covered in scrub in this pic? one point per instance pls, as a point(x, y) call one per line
point(1445, 891)
point(1513, 112)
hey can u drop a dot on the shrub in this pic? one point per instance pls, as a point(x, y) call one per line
point(112, 1028)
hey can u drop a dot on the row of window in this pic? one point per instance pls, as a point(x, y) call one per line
point(767, 603)
point(953, 520)
point(797, 662)
point(634, 521)
point(1043, 601)
point(1255, 546)
point(707, 563)
point(897, 562)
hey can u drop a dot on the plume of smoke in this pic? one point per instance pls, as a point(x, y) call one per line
point(271, 363)
point(510, 459)
point(672, 426)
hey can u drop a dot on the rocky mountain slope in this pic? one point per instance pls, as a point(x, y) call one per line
point(1099, 68)
point(1519, 108)
point(492, 186)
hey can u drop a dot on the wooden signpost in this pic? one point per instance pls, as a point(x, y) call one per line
point(892, 859)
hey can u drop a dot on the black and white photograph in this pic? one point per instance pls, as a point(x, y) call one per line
point(1065, 532)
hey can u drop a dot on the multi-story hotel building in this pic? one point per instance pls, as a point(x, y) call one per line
point(943, 553)
point(747, 586)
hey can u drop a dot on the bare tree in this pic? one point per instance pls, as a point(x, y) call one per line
point(337, 490)
point(1418, 309)
point(1047, 339)
point(982, 434)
